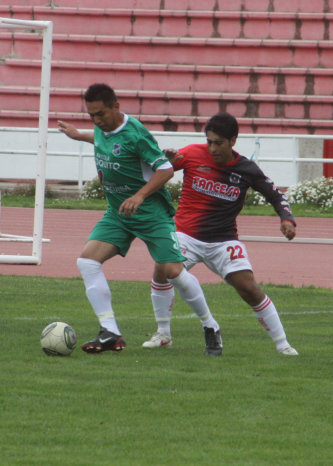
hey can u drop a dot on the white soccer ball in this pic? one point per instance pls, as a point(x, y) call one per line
point(58, 339)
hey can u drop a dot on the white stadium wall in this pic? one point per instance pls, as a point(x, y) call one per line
point(69, 160)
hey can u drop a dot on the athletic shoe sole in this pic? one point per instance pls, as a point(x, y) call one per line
point(95, 347)
point(213, 352)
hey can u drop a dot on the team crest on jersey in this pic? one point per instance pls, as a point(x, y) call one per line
point(235, 178)
point(116, 149)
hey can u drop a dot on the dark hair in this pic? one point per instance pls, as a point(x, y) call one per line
point(223, 124)
point(101, 92)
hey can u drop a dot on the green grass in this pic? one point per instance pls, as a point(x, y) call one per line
point(174, 406)
point(299, 210)
point(15, 200)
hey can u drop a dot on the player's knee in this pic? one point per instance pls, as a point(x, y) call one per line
point(160, 275)
point(172, 270)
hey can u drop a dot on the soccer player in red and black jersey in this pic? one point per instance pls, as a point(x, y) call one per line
point(216, 179)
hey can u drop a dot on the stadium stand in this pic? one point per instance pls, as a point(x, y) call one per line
point(174, 63)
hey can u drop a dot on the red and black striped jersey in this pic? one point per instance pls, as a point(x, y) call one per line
point(213, 194)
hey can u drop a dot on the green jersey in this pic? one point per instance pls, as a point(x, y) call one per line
point(125, 160)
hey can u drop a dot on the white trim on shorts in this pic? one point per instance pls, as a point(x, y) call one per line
point(221, 258)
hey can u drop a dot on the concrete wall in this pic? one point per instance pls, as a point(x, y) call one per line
point(310, 148)
point(69, 160)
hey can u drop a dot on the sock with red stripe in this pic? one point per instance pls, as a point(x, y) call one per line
point(269, 318)
point(162, 297)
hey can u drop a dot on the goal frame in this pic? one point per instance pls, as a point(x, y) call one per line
point(46, 28)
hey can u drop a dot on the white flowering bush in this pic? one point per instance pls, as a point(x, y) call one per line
point(93, 189)
point(318, 192)
point(254, 198)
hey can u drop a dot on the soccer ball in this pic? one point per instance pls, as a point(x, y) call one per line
point(58, 339)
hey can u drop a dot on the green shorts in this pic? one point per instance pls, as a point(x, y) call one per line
point(158, 234)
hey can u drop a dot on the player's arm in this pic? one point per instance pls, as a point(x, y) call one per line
point(278, 200)
point(73, 133)
point(158, 179)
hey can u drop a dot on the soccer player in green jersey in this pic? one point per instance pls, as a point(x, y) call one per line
point(133, 171)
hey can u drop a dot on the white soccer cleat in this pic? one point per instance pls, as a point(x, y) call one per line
point(157, 340)
point(289, 351)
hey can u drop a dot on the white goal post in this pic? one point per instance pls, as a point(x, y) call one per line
point(44, 27)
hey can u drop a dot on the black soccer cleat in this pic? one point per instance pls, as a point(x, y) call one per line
point(105, 341)
point(213, 342)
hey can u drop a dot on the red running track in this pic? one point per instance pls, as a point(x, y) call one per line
point(279, 263)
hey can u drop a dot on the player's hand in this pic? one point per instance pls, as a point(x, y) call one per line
point(130, 205)
point(288, 229)
point(172, 155)
point(68, 129)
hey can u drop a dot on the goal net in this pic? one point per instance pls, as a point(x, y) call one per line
point(45, 29)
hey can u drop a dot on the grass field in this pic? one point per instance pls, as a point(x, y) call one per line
point(174, 406)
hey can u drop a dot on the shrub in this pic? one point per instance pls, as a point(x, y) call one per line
point(318, 192)
point(27, 190)
point(93, 189)
point(174, 190)
point(254, 198)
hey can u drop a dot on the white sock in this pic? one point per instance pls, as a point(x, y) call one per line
point(269, 318)
point(98, 293)
point(162, 296)
point(190, 290)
